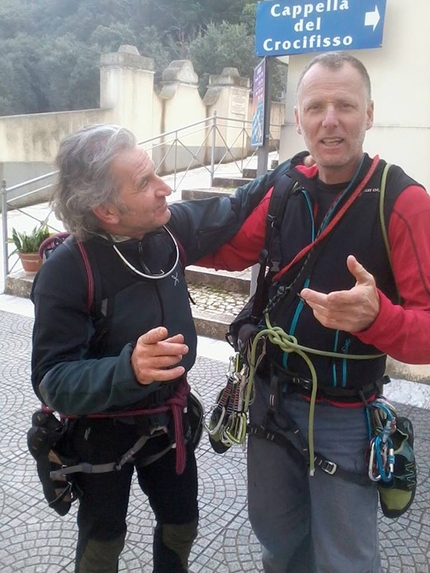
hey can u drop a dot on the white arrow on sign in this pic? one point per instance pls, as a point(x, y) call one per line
point(372, 18)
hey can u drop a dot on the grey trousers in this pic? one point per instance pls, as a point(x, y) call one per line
point(319, 524)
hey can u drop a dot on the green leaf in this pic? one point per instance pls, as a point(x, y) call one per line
point(29, 242)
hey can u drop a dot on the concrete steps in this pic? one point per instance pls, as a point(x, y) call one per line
point(219, 296)
point(223, 281)
point(231, 182)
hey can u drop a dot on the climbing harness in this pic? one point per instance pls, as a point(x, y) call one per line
point(225, 425)
point(56, 465)
point(228, 417)
point(47, 437)
point(226, 422)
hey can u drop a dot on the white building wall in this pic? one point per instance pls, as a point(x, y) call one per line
point(400, 75)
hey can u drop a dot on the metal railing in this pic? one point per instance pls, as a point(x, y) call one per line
point(7, 204)
point(206, 144)
point(212, 151)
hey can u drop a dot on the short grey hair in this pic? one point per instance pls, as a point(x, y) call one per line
point(335, 61)
point(85, 180)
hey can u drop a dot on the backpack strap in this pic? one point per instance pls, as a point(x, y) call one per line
point(334, 221)
point(89, 273)
point(76, 246)
point(101, 311)
point(383, 222)
point(381, 210)
point(270, 256)
point(49, 245)
point(278, 203)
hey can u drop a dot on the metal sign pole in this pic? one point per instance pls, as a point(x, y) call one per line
point(263, 151)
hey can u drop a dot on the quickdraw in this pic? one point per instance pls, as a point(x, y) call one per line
point(226, 422)
point(383, 418)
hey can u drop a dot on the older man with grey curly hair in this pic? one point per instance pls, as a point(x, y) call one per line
point(118, 371)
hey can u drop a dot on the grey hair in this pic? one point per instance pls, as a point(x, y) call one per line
point(85, 181)
point(335, 61)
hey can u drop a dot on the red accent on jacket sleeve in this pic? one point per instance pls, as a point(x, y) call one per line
point(403, 332)
point(244, 248)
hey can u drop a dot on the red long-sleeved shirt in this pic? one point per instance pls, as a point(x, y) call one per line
point(402, 332)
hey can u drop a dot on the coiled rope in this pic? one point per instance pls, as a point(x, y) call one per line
point(289, 344)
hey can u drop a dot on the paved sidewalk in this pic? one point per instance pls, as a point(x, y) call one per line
point(34, 539)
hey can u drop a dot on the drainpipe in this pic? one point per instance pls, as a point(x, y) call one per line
point(4, 229)
point(212, 170)
point(263, 151)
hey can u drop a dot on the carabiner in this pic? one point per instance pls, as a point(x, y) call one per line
point(216, 428)
point(372, 465)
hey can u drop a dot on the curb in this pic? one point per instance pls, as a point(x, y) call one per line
point(219, 297)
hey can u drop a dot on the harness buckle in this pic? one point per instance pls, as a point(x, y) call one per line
point(303, 382)
point(328, 467)
point(272, 401)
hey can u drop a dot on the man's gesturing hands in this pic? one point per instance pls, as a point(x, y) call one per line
point(350, 310)
point(154, 356)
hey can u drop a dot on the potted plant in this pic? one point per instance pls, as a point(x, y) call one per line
point(27, 247)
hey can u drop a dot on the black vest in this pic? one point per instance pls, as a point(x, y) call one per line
point(358, 233)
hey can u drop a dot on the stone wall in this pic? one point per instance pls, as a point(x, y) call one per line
point(128, 98)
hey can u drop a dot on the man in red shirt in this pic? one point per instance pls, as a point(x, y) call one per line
point(347, 318)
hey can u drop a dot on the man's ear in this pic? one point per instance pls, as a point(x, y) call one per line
point(296, 117)
point(369, 114)
point(106, 214)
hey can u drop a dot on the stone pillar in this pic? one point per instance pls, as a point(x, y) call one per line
point(228, 94)
point(181, 105)
point(127, 87)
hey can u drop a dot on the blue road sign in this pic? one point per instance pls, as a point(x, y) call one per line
point(258, 104)
point(299, 26)
point(257, 126)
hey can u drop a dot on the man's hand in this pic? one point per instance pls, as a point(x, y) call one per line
point(154, 356)
point(350, 310)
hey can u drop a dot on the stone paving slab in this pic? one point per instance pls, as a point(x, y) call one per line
point(33, 539)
